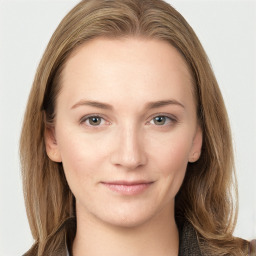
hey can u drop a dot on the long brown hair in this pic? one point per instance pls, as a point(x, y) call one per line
point(207, 195)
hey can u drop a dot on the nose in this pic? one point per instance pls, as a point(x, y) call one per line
point(129, 151)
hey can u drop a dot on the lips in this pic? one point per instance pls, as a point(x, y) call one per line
point(127, 187)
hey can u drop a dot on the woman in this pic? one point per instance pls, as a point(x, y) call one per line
point(126, 139)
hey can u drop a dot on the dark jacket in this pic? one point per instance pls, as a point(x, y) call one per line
point(188, 241)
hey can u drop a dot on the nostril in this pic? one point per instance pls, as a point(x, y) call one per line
point(129, 159)
point(129, 151)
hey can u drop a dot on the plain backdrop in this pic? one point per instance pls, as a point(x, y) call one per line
point(227, 30)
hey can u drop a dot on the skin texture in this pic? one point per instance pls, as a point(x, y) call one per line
point(128, 143)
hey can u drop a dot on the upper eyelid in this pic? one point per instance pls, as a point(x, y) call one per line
point(171, 116)
point(85, 118)
point(151, 116)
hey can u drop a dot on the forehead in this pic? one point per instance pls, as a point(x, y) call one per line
point(126, 68)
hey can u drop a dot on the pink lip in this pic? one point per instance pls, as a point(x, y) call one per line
point(127, 188)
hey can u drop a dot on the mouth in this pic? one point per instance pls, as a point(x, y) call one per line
point(127, 187)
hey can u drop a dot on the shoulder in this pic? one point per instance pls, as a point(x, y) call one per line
point(58, 242)
point(192, 243)
point(33, 251)
point(252, 248)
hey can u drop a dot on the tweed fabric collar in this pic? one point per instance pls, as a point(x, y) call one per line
point(188, 240)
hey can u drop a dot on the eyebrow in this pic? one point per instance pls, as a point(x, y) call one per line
point(149, 105)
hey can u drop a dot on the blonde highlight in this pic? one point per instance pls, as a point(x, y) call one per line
point(48, 199)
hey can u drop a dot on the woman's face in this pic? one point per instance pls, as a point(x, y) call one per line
point(125, 129)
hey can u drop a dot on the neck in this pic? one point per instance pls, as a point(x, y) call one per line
point(158, 236)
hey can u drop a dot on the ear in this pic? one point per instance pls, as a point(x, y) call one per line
point(195, 151)
point(51, 145)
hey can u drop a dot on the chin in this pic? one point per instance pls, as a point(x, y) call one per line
point(129, 218)
point(127, 221)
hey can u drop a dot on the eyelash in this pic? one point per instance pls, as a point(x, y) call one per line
point(172, 120)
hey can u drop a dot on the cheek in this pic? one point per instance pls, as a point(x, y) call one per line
point(171, 155)
point(172, 164)
point(168, 158)
point(80, 162)
point(171, 159)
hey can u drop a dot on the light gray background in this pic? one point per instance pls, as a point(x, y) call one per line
point(227, 30)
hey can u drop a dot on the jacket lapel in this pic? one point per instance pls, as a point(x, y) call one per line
point(189, 244)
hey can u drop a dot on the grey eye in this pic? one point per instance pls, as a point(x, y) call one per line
point(94, 120)
point(160, 120)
